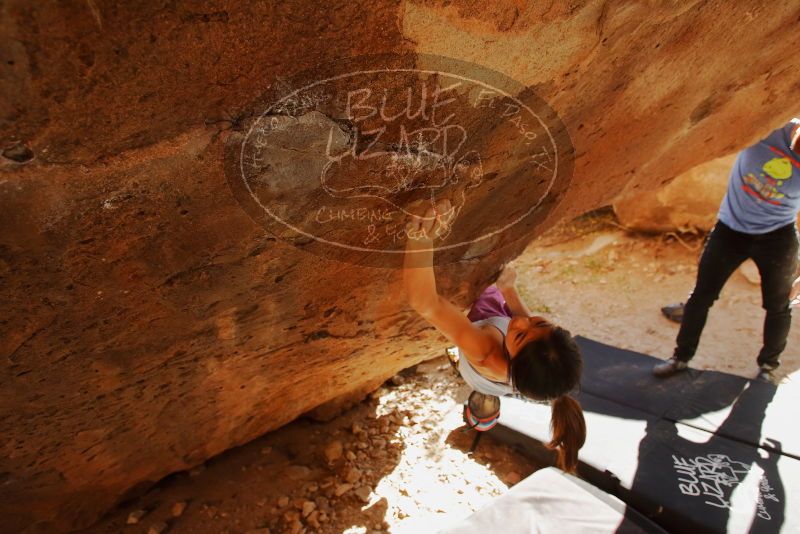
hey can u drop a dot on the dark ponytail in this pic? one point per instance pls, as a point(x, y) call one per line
point(568, 429)
point(547, 369)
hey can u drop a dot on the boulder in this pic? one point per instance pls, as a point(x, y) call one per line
point(689, 203)
point(154, 316)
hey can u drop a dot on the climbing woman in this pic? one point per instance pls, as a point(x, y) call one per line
point(504, 350)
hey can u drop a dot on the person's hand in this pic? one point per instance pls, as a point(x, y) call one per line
point(794, 294)
point(436, 221)
point(795, 143)
point(507, 278)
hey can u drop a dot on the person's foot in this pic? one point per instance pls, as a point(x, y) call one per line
point(673, 312)
point(669, 368)
point(767, 374)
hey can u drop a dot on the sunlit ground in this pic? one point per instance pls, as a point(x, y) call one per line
point(434, 483)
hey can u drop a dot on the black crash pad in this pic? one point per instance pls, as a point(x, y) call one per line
point(743, 410)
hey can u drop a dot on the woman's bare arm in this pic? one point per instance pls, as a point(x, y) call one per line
point(420, 285)
point(506, 283)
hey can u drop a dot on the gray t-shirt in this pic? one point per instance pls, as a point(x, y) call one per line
point(764, 185)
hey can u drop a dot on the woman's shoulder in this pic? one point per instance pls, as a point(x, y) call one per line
point(490, 364)
point(500, 322)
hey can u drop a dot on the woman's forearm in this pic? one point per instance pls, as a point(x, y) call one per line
point(418, 275)
point(515, 303)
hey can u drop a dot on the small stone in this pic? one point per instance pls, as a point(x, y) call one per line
point(283, 502)
point(308, 507)
point(291, 515)
point(297, 472)
point(397, 380)
point(378, 393)
point(512, 477)
point(350, 455)
point(379, 443)
point(333, 451)
point(134, 517)
point(352, 475)
point(363, 493)
point(312, 519)
point(178, 508)
point(362, 445)
point(323, 517)
point(341, 489)
point(266, 450)
point(357, 428)
point(323, 505)
point(157, 528)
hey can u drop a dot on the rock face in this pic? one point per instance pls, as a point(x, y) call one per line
point(150, 322)
point(687, 204)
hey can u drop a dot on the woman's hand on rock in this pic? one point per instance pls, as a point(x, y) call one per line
point(507, 278)
point(435, 222)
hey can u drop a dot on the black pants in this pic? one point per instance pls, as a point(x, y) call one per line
point(775, 255)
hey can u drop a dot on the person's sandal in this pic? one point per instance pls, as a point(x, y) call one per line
point(674, 312)
point(670, 367)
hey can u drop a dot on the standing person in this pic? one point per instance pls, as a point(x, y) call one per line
point(757, 219)
point(505, 350)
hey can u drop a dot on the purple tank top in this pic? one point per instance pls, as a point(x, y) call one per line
point(490, 304)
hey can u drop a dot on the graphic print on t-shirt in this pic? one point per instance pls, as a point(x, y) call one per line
point(766, 186)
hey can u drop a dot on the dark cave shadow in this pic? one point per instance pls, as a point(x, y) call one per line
point(289, 448)
point(463, 438)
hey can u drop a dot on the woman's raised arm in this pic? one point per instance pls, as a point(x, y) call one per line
point(506, 283)
point(420, 285)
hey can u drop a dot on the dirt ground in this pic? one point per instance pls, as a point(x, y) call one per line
point(400, 461)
